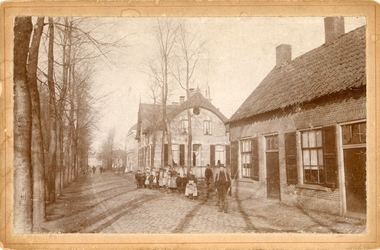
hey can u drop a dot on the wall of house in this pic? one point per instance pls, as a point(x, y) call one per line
point(132, 152)
point(327, 111)
point(218, 136)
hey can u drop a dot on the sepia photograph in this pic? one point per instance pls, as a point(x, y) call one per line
point(187, 126)
point(167, 125)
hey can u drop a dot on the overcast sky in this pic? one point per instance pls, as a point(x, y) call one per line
point(239, 53)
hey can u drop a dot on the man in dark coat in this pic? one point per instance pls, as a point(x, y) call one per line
point(223, 183)
point(137, 178)
point(179, 183)
point(208, 175)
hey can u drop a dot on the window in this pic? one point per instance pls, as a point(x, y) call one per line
point(271, 142)
point(175, 152)
point(312, 157)
point(184, 127)
point(197, 148)
point(207, 127)
point(354, 133)
point(246, 158)
point(219, 154)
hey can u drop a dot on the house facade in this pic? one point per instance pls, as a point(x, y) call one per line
point(210, 142)
point(300, 137)
point(131, 146)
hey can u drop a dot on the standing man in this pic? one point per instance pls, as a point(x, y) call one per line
point(137, 178)
point(223, 183)
point(208, 174)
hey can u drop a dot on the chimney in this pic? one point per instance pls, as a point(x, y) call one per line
point(181, 99)
point(191, 92)
point(283, 54)
point(334, 27)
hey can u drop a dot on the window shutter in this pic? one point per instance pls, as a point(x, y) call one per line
point(166, 154)
point(291, 158)
point(151, 157)
point(212, 155)
point(255, 159)
point(234, 159)
point(330, 156)
point(228, 155)
point(182, 154)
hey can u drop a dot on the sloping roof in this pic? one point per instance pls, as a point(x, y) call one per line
point(328, 69)
point(134, 127)
point(197, 100)
point(150, 115)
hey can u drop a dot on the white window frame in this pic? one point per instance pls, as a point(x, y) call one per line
point(220, 150)
point(205, 123)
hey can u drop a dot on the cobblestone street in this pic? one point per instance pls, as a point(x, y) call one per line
point(110, 203)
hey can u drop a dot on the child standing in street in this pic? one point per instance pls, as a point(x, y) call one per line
point(147, 174)
point(161, 179)
point(155, 180)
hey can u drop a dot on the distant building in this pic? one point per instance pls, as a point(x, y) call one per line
point(93, 160)
point(300, 137)
point(209, 135)
point(131, 150)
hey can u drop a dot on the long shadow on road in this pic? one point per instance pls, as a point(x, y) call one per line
point(188, 218)
point(132, 205)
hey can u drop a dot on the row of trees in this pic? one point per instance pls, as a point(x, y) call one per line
point(54, 114)
point(179, 53)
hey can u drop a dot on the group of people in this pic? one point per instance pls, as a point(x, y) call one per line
point(168, 180)
point(171, 181)
point(101, 169)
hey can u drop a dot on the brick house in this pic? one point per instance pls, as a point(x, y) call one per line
point(300, 137)
point(210, 141)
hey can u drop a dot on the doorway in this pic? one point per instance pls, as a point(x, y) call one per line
point(355, 177)
point(355, 160)
point(272, 167)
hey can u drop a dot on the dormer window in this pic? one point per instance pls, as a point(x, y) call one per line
point(207, 127)
point(184, 127)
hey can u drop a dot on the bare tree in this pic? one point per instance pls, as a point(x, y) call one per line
point(23, 206)
point(52, 110)
point(187, 57)
point(37, 150)
point(165, 34)
point(107, 148)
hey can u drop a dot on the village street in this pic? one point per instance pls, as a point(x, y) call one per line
point(111, 203)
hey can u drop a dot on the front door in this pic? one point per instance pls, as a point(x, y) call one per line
point(273, 175)
point(355, 177)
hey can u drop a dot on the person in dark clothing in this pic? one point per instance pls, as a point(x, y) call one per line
point(223, 183)
point(137, 178)
point(142, 180)
point(208, 175)
point(151, 179)
point(179, 183)
point(93, 169)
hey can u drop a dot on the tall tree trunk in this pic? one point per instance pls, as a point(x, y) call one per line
point(53, 117)
point(189, 137)
point(23, 205)
point(153, 151)
point(58, 161)
point(37, 145)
